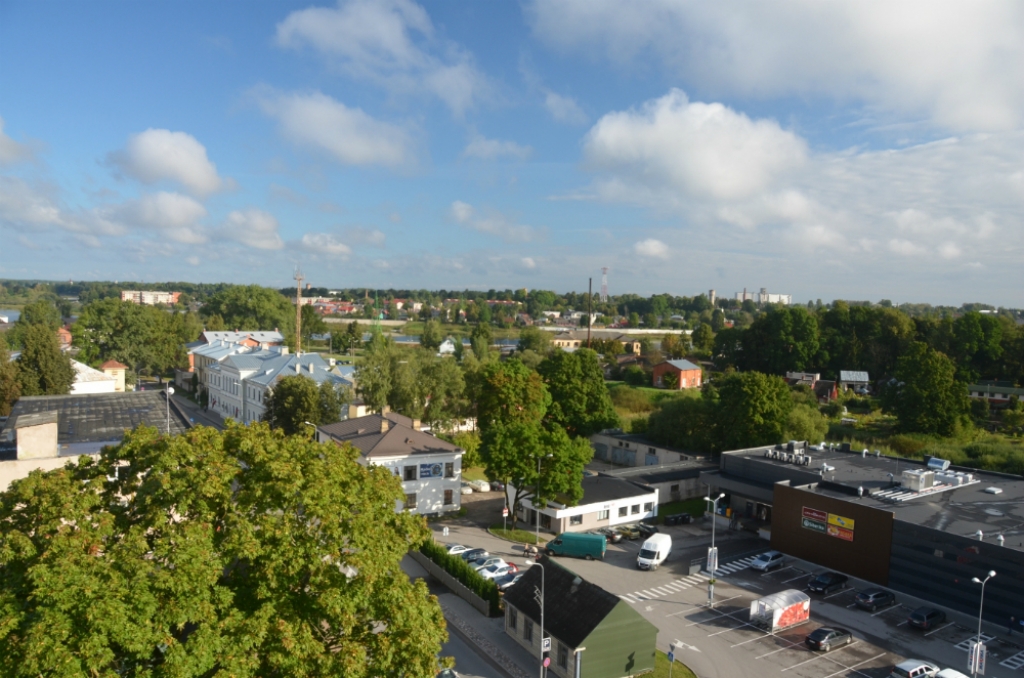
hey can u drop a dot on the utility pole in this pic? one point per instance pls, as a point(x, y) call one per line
point(590, 307)
point(298, 310)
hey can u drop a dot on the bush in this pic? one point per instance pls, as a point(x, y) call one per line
point(635, 376)
point(638, 424)
point(629, 398)
point(463, 571)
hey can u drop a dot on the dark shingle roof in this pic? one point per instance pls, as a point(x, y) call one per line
point(599, 489)
point(573, 607)
point(401, 439)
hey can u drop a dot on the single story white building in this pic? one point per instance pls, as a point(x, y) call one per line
point(606, 502)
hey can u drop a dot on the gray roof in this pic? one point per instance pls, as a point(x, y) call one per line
point(852, 376)
point(599, 489)
point(683, 365)
point(400, 439)
point(31, 419)
point(101, 417)
point(271, 337)
point(992, 389)
point(279, 366)
point(663, 473)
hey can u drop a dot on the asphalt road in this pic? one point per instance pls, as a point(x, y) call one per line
point(468, 664)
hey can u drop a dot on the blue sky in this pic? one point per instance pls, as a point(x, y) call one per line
point(862, 150)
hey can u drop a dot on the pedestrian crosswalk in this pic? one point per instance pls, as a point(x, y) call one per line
point(732, 566)
point(1014, 662)
point(664, 589)
point(965, 645)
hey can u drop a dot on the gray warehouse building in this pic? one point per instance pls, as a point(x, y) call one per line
point(921, 528)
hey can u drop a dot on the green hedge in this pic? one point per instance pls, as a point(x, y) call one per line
point(461, 570)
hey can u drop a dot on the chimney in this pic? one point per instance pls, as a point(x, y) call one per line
point(416, 424)
point(383, 424)
point(298, 368)
point(311, 368)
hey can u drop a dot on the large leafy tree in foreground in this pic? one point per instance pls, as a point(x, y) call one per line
point(242, 553)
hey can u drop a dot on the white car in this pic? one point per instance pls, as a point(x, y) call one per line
point(495, 571)
point(487, 562)
point(465, 489)
point(768, 561)
point(455, 549)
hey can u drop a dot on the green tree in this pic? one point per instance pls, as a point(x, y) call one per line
point(703, 338)
point(239, 553)
point(806, 423)
point(343, 342)
point(925, 395)
point(251, 307)
point(753, 409)
point(312, 323)
point(10, 389)
point(42, 368)
point(374, 372)
point(510, 392)
point(534, 339)
point(580, 402)
point(39, 312)
point(480, 340)
point(782, 340)
point(431, 338)
point(297, 399)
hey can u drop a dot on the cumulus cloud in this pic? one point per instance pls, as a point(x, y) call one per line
point(493, 223)
point(11, 151)
point(528, 262)
point(253, 227)
point(564, 109)
point(651, 248)
point(965, 70)
point(489, 149)
point(365, 236)
point(174, 215)
point(388, 42)
point(349, 135)
point(324, 243)
point(162, 155)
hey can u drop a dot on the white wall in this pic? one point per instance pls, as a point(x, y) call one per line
point(429, 491)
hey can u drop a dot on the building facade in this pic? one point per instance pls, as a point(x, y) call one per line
point(150, 297)
point(606, 502)
point(677, 375)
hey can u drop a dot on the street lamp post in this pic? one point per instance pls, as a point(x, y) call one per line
point(579, 659)
point(536, 511)
point(168, 392)
point(713, 566)
point(981, 606)
point(309, 423)
point(539, 597)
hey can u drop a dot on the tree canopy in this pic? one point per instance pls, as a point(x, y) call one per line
point(925, 395)
point(43, 369)
point(251, 307)
point(580, 402)
point(297, 399)
point(239, 553)
point(10, 389)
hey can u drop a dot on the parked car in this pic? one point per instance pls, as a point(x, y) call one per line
point(447, 673)
point(768, 561)
point(826, 582)
point(610, 535)
point(828, 637)
point(926, 618)
point(481, 563)
point(456, 549)
point(465, 489)
point(628, 531)
point(480, 485)
point(495, 571)
point(508, 581)
point(872, 599)
point(497, 486)
point(646, 529)
point(474, 554)
point(914, 668)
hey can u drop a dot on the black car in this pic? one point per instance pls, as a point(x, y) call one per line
point(610, 535)
point(872, 599)
point(828, 637)
point(926, 617)
point(646, 530)
point(474, 554)
point(826, 582)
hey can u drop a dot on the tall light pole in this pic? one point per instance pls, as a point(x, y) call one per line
point(579, 659)
point(712, 552)
point(539, 597)
point(168, 392)
point(536, 511)
point(981, 606)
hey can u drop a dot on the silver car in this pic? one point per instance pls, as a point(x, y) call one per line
point(768, 561)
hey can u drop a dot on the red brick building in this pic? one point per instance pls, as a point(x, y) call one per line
point(677, 374)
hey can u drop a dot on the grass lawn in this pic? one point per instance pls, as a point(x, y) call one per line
point(680, 670)
point(695, 507)
point(474, 473)
point(520, 536)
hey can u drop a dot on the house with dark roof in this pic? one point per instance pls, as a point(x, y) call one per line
point(593, 633)
point(430, 468)
point(855, 379)
point(677, 374)
point(606, 502)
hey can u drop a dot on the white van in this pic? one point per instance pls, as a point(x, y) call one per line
point(950, 673)
point(654, 551)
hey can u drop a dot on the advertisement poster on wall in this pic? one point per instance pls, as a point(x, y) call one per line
point(823, 522)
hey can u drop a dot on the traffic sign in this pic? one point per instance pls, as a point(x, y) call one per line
point(976, 657)
point(547, 662)
point(547, 644)
point(444, 530)
point(671, 656)
point(712, 559)
point(504, 512)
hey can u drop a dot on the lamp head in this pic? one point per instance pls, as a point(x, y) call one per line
point(991, 573)
point(976, 580)
point(707, 498)
point(721, 495)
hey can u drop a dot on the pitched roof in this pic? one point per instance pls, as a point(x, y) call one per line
point(113, 365)
point(573, 607)
point(235, 337)
point(85, 373)
point(847, 376)
point(400, 439)
point(683, 365)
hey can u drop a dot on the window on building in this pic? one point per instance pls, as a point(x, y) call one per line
point(602, 515)
point(513, 617)
point(410, 473)
point(651, 450)
point(410, 501)
point(448, 497)
point(576, 520)
point(635, 509)
point(563, 656)
point(623, 511)
point(674, 488)
point(449, 469)
point(528, 630)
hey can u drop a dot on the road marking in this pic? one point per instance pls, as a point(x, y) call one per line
point(687, 646)
point(965, 645)
point(791, 646)
point(729, 629)
point(939, 629)
point(806, 661)
point(781, 569)
point(801, 576)
point(649, 594)
point(626, 598)
point(853, 668)
point(875, 614)
point(902, 623)
point(833, 595)
point(1014, 662)
point(750, 640)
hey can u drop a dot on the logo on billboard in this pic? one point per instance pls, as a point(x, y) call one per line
point(814, 514)
point(815, 525)
point(841, 532)
point(430, 470)
point(840, 521)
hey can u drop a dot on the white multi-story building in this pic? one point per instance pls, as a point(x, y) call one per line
point(150, 297)
point(763, 297)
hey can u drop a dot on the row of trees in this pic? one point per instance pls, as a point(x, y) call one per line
point(41, 368)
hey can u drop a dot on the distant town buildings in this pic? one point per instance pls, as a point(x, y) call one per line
point(150, 297)
point(762, 297)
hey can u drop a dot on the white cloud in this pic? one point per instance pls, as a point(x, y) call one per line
point(564, 109)
point(253, 227)
point(162, 155)
point(365, 236)
point(194, 260)
point(25, 205)
point(349, 135)
point(489, 149)
point(705, 150)
point(388, 42)
point(11, 151)
point(324, 243)
point(651, 248)
point(174, 215)
point(528, 262)
point(963, 69)
point(493, 223)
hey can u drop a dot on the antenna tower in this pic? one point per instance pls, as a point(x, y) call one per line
point(298, 309)
point(604, 284)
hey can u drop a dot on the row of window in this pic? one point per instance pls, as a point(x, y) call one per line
point(410, 499)
point(513, 622)
point(412, 472)
point(624, 512)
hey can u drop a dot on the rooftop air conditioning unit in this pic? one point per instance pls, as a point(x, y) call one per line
point(994, 490)
point(936, 464)
point(807, 460)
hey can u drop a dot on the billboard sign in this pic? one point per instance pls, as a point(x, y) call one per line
point(430, 470)
point(814, 525)
point(840, 521)
point(814, 514)
point(841, 532)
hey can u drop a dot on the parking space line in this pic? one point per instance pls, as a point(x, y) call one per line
point(854, 667)
point(750, 640)
point(833, 595)
point(806, 661)
point(790, 647)
point(786, 581)
point(875, 614)
point(939, 629)
point(902, 623)
point(729, 629)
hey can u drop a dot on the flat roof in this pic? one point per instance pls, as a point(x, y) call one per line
point(662, 473)
point(962, 511)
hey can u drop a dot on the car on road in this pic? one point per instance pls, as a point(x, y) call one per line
point(456, 549)
point(914, 668)
point(926, 618)
point(610, 535)
point(509, 580)
point(487, 561)
point(496, 571)
point(872, 599)
point(447, 673)
point(767, 561)
point(827, 582)
point(827, 638)
point(474, 554)
point(628, 531)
